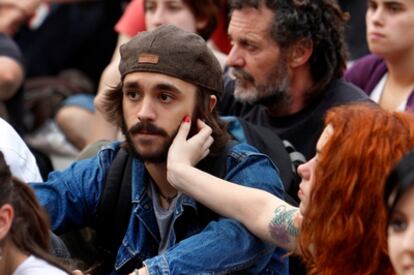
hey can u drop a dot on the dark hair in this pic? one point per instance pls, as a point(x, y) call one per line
point(400, 179)
point(205, 10)
point(320, 21)
point(30, 230)
point(113, 111)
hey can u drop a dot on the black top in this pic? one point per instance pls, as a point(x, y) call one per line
point(302, 129)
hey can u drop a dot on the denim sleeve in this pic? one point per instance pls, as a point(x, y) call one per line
point(70, 197)
point(225, 245)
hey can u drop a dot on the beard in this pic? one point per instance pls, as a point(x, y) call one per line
point(159, 155)
point(275, 90)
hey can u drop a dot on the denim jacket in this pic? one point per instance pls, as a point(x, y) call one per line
point(201, 243)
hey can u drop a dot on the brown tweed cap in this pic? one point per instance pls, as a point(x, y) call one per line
point(174, 52)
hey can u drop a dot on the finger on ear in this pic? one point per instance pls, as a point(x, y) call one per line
point(184, 127)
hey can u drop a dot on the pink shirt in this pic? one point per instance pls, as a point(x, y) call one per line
point(133, 20)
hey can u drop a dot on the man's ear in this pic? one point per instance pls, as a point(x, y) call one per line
point(6, 220)
point(213, 102)
point(300, 53)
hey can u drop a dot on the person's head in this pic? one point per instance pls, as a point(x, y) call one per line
point(166, 74)
point(390, 31)
point(192, 16)
point(344, 214)
point(399, 202)
point(24, 225)
point(272, 39)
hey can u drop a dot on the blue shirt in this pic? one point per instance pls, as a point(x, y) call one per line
point(201, 243)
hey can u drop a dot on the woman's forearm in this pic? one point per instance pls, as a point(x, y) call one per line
point(265, 215)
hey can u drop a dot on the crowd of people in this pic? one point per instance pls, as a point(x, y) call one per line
point(239, 136)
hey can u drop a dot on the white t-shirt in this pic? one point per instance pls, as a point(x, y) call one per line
point(21, 161)
point(36, 266)
point(379, 89)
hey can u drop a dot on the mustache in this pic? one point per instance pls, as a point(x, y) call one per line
point(241, 74)
point(147, 128)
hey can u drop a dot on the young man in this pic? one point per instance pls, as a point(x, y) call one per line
point(193, 16)
point(167, 75)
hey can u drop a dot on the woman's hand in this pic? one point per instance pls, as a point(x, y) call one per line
point(185, 152)
point(191, 151)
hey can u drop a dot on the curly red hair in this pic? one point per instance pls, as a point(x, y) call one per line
point(343, 231)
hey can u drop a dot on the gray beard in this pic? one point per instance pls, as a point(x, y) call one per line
point(268, 94)
point(275, 91)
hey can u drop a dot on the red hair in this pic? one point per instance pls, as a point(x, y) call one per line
point(343, 231)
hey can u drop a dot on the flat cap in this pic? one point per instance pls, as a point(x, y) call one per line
point(174, 52)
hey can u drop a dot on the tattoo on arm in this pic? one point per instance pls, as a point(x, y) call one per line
point(281, 227)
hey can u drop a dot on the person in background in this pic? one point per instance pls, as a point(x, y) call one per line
point(65, 48)
point(387, 75)
point(341, 199)
point(24, 230)
point(11, 79)
point(14, 14)
point(285, 70)
point(18, 156)
point(399, 201)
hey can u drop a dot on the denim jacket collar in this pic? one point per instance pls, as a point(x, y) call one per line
point(143, 214)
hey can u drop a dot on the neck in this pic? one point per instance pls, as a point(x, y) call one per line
point(158, 173)
point(300, 84)
point(401, 69)
point(12, 258)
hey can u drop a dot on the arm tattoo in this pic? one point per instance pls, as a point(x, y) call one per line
point(281, 227)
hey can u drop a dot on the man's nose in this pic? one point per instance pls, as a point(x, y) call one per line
point(235, 58)
point(146, 111)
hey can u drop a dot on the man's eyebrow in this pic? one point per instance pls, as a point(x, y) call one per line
point(131, 85)
point(167, 87)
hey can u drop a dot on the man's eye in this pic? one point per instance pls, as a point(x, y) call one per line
point(166, 98)
point(248, 46)
point(133, 95)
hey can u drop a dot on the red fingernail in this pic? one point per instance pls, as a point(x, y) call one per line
point(186, 118)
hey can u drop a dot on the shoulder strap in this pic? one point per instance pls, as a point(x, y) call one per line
point(269, 143)
point(115, 205)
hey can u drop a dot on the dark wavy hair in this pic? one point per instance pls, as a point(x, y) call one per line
point(205, 9)
point(320, 21)
point(30, 230)
point(113, 111)
point(342, 232)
